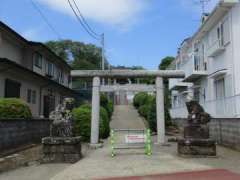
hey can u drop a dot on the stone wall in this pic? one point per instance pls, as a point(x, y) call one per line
point(19, 132)
point(226, 131)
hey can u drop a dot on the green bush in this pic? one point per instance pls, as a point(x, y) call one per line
point(104, 123)
point(110, 108)
point(146, 105)
point(143, 110)
point(106, 104)
point(82, 122)
point(151, 115)
point(88, 106)
point(140, 99)
point(14, 108)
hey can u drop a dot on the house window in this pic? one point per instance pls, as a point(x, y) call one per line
point(226, 32)
point(34, 96)
point(220, 88)
point(60, 77)
point(196, 94)
point(12, 89)
point(38, 60)
point(50, 69)
point(223, 33)
point(69, 79)
point(31, 96)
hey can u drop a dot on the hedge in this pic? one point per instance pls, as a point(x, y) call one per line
point(106, 104)
point(14, 108)
point(146, 106)
point(82, 122)
point(140, 99)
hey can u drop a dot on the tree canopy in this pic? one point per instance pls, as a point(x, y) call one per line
point(79, 55)
point(165, 62)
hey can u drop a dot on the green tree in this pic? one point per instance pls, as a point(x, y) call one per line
point(165, 62)
point(79, 55)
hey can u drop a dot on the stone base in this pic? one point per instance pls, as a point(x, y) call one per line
point(95, 146)
point(196, 132)
point(197, 147)
point(61, 149)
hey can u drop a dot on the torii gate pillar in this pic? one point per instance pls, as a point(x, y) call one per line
point(95, 110)
point(160, 111)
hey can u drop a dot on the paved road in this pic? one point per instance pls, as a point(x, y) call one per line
point(216, 174)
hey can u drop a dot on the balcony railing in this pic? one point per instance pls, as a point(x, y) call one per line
point(194, 68)
point(216, 48)
point(178, 84)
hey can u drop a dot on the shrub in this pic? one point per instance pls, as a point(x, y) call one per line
point(104, 123)
point(14, 108)
point(140, 99)
point(88, 106)
point(143, 110)
point(82, 122)
point(106, 104)
point(151, 115)
point(146, 105)
point(110, 108)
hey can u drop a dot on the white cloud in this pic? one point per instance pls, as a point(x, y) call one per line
point(113, 12)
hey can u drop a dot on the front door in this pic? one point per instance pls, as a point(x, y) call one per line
point(46, 106)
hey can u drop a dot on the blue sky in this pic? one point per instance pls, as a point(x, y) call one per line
point(138, 32)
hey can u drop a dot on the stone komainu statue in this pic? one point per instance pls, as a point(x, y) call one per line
point(62, 125)
point(197, 115)
point(198, 119)
point(196, 140)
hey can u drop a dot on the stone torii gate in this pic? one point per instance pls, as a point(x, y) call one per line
point(114, 74)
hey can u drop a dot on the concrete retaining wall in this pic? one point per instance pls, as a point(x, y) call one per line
point(226, 131)
point(19, 132)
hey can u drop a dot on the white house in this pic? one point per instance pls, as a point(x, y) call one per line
point(211, 61)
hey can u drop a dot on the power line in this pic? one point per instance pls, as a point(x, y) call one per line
point(81, 22)
point(84, 20)
point(88, 29)
point(34, 4)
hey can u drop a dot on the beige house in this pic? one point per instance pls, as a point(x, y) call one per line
point(32, 72)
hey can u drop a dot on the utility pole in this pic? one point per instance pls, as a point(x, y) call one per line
point(103, 50)
point(103, 56)
point(203, 4)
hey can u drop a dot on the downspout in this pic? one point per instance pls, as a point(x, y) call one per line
point(233, 68)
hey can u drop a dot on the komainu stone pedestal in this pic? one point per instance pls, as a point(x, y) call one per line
point(61, 149)
point(196, 141)
point(196, 148)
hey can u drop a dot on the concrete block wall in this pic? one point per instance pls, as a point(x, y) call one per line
point(226, 131)
point(19, 132)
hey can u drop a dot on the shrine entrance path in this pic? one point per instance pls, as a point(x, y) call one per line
point(99, 163)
